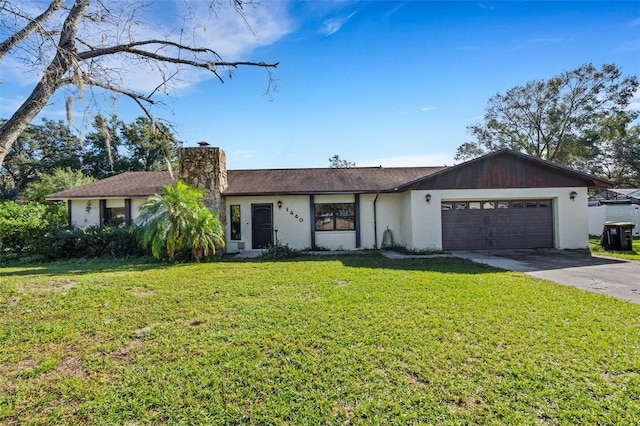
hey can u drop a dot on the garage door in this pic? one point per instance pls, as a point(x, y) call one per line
point(497, 224)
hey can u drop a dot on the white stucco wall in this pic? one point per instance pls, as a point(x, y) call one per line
point(85, 213)
point(570, 216)
point(292, 220)
point(414, 222)
point(135, 208)
point(598, 215)
point(387, 208)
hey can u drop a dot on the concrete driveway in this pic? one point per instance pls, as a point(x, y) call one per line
point(614, 277)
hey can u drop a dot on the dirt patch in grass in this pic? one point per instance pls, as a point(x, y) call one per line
point(141, 332)
point(72, 367)
point(344, 411)
point(124, 354)
point(55, 284)
point(142, 292)
point(415, 380)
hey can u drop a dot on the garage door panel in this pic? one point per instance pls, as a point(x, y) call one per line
point(524, 224)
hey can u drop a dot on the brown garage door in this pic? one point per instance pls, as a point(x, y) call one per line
point(497, 224)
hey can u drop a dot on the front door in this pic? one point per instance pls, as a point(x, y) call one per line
point(261, 225)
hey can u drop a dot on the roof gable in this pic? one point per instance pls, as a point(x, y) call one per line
point(506, 169)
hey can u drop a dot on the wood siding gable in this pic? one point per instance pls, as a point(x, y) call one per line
point(505, 169)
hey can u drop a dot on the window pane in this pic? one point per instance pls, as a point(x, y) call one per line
point(447, 206)
point(335, 216)
point(236, 222)
point(531, 203)
point(115, 216)
point(545, 203)
point(503, 204)
point(345, 222)
point(517, 204)
point(488, 205)
point(461, 206)
point(324, 223)
point(474, 205)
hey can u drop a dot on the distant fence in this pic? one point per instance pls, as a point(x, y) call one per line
point(598, 215)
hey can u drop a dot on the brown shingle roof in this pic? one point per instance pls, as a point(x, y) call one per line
point(253, 182)
point(124, 185)
point(316, 181)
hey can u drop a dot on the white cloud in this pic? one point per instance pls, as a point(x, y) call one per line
point(635, 101)
point(333, 25)
point(486, 6)
point(232, 36)
point(423, 160)
point(10, 105)
point(428, 108)
point(222, 30)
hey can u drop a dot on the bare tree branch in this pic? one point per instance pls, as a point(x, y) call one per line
point(31, 26)
point(86, 36)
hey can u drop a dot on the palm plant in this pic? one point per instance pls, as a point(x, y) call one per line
point(205, 235)
point(177, 220)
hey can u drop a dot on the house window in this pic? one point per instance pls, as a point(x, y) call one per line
point(235, 222)
point(335, 217)
point(114, 216)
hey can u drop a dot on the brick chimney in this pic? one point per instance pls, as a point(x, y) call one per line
point(205, 167)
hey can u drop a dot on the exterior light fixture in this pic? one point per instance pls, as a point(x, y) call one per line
point(573, 195)
point(279, 204)
point(427, 198)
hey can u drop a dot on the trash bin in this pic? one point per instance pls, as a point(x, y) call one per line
point(617, 236)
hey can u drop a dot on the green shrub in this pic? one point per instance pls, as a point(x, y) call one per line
point(116, 242)
point(21, 226)
point(280, 251)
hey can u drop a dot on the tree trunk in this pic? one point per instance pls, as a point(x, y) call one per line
point(19, 121)
point(52, 79)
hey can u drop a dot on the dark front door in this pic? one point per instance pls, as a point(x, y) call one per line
point(261, 225)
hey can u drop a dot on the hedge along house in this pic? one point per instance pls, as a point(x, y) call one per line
point(503, 200)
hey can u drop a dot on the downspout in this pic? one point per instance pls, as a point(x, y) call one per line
point(375, 223)
point(312, 214)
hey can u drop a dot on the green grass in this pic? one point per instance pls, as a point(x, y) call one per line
point(596, 248)
point(359, 339)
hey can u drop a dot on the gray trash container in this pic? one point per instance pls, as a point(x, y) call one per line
point(617, 236)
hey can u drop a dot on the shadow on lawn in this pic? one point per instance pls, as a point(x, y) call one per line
point(371, 260)
point(83, 267)
point(374, 260)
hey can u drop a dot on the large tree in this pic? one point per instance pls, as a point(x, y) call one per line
point(40, 149)
point(76, 44)
point(566, 119)
point(336, 162)
point(103, 154)
point(150, 144)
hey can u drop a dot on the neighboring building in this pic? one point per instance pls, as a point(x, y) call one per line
point(501, 200)
point(614, 205)
point(616, 196)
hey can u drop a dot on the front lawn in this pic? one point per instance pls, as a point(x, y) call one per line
point(359, 339)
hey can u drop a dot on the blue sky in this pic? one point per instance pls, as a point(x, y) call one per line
point(390, 83)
